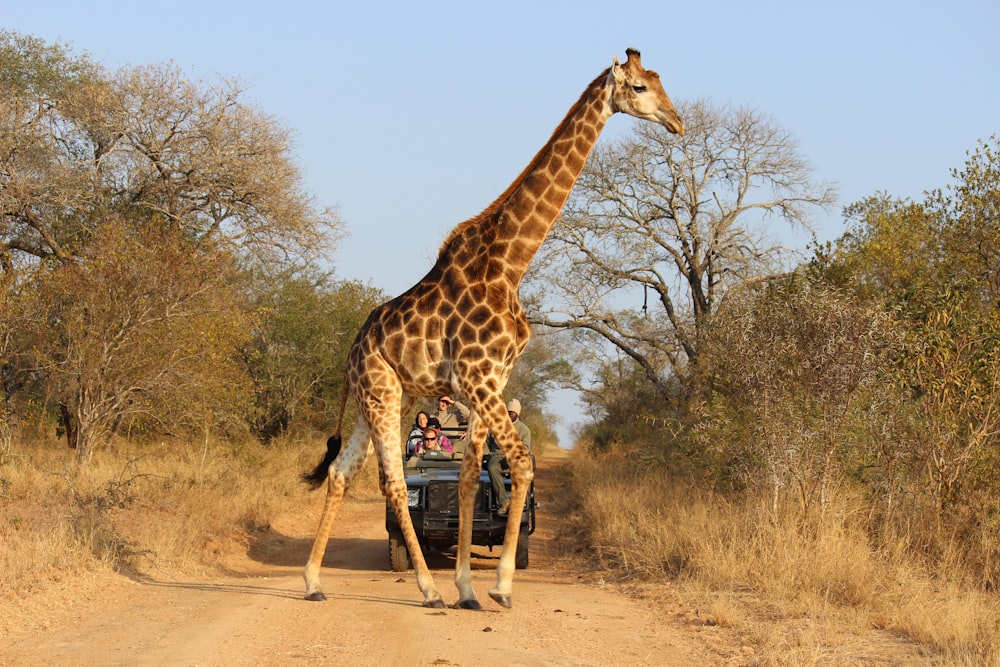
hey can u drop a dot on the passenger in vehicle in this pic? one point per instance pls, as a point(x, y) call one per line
point(497, 462)
point(450, 413)
point(439, 440)
point(416, 435)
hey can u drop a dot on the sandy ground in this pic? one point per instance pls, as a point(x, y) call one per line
point(256, 615)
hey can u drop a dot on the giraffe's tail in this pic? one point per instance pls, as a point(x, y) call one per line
point(319, 474)
point(316, 478)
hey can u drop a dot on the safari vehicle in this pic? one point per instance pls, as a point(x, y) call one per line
point(432, 497)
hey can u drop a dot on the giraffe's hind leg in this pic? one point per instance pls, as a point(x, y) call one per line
point(521, 475)
point(494, 413)
point(340, 472)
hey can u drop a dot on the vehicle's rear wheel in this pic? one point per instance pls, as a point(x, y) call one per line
point(399, 557)
point(521, 555)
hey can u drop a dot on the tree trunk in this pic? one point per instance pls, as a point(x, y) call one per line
point(84, 449)
point(69, 425)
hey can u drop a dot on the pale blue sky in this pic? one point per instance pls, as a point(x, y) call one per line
point(412, 117)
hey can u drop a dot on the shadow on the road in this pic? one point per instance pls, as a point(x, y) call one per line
point(284, 593)
point(243, 589)
point(270, 547)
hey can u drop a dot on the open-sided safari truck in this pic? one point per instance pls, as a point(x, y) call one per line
point(432, 497)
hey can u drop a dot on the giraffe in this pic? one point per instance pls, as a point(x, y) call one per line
point(461, 328)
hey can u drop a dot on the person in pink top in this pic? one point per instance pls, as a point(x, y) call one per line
point(434, 440)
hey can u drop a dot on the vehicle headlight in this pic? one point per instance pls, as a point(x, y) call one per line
point(413, 497)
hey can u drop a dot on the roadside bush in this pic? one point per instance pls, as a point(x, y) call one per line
point(743, 561)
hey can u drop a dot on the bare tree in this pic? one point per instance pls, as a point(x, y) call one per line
point(670, 223)
point(78, 144)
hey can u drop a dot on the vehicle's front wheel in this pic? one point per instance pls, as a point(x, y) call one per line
point(521, 555)
point(399, 557)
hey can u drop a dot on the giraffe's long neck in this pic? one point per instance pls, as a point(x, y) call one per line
point(513, 228)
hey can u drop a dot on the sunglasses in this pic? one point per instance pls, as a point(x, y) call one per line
point(429, 439)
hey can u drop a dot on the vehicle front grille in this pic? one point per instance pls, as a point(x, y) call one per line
point(443, 497)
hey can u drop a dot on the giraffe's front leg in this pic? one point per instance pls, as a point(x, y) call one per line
point(521, 475)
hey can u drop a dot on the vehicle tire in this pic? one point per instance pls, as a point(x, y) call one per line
point(521, 555)
point(399, 557)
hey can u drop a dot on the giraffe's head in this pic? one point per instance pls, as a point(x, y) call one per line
point(638, 92)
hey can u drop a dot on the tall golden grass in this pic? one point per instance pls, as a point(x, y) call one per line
point(750, 565)
point(149, 508)
point(788, 583)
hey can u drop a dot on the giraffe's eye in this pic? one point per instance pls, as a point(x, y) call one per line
point(639, 89)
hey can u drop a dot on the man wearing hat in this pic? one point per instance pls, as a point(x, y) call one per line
point(498, 461)
point(451, 414)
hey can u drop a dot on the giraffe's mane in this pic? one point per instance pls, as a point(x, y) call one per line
point(491, 210)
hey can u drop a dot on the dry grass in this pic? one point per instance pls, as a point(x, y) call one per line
point(801, 589)
point(144, 509)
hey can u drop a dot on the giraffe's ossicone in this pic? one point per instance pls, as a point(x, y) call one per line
point(460, 330)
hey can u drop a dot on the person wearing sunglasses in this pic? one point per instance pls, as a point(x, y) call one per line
point(434, 441)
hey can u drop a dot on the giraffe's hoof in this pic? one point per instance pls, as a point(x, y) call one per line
point(471, 603)
point(434, 604)
point(316, 596)
point(500, 599)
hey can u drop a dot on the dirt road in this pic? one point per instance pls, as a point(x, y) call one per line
point(256, 615)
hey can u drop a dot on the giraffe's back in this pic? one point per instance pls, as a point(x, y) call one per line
point(425, 332)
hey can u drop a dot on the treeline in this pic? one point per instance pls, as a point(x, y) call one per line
point(871, 370)
point(160, 261)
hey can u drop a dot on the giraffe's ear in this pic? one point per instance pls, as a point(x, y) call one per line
point(616, 71)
